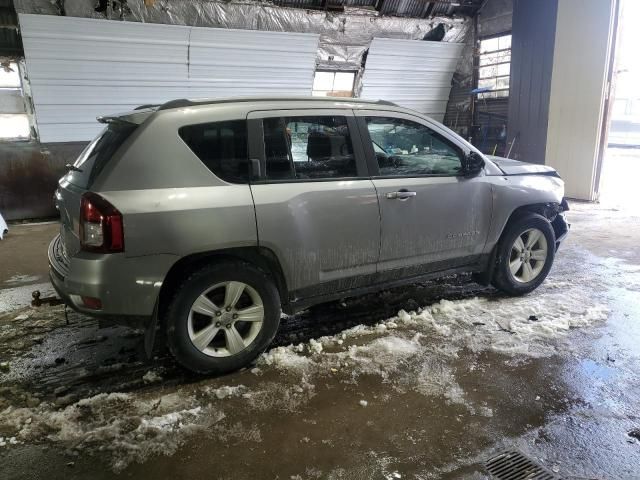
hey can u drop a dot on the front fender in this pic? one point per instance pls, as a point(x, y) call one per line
point(517, 193)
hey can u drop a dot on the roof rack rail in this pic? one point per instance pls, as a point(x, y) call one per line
point(387, 102)
point(184, 102)
point(179, 103)
point(147, 105)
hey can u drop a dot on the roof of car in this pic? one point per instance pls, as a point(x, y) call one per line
point(184, 102)
point(245, 104)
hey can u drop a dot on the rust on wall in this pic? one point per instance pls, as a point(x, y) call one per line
point(29, 174)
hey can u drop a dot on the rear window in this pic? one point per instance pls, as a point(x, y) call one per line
point(98, 153)
point(222, 147)
point(308, 148)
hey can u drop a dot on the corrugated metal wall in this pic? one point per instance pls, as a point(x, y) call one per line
point(249, 62)
point(80, 68)
point(532, 48)
point(411, 73)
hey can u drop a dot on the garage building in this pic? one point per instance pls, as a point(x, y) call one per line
point(445, 377)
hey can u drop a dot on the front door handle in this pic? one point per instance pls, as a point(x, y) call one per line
point(400, 195)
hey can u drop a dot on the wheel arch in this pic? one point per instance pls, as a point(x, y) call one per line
point(260, 257)
point(548, 210)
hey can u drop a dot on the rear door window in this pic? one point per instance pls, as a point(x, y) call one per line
point(308, 148)
point(221, 146)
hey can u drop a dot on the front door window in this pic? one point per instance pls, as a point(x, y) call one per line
point(405, 148)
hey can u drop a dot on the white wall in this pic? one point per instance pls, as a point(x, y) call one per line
point(411, 73)
point(81, 68)
point(581, 59)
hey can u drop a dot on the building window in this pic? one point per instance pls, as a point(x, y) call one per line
point(494, 67)
point(333, 84)
point(14, 122)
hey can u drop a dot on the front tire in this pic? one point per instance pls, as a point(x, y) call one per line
point(525, 255)
point(222, 317)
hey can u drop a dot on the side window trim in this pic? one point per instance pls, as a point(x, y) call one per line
point(362, 165)
point(257, 145)
point(367, 146)
point(372, 163)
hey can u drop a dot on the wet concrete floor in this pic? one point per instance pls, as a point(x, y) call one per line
point(420, 382)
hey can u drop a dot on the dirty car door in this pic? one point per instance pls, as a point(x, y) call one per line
point(432, 217)
point(315, 208)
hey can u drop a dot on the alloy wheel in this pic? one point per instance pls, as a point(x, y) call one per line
point(225, 319)
point(528, 255)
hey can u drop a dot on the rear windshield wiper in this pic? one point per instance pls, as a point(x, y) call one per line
point(72, 168)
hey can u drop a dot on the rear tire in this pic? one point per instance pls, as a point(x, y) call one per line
point(525, 255)
point(221, 317)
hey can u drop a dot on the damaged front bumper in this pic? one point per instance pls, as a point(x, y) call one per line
point(560, 225)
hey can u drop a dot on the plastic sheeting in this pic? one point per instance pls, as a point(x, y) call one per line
point(344, 37)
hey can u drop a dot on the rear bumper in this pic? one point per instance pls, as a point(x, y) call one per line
point(126, 287)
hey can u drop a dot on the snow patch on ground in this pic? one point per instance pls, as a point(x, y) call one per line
point(18, 279)
point(413, 350)
point(123, 425)
point(512, 326)
point(20, 296)
point(530, 326)
point(285, 358)
point(285, 396)
point(381, 356)
point(127, 426)
point(151, 377)
point(225, 391)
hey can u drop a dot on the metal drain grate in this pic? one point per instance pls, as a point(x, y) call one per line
point(512, 465)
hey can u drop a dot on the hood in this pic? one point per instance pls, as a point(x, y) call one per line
point(515, 167)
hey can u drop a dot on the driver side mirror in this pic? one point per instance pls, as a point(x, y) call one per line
point(474, 163)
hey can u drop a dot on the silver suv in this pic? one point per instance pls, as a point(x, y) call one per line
point(206, 219)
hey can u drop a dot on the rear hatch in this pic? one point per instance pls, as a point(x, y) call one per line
point(86, 169)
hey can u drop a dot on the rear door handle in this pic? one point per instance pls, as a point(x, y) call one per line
point(400, 195)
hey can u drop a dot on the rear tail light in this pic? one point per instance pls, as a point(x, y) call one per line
point(92, 303)
point(101, 228)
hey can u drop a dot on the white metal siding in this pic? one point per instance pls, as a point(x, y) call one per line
point(246, 62)
point(412, 73)
point(81, 68)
